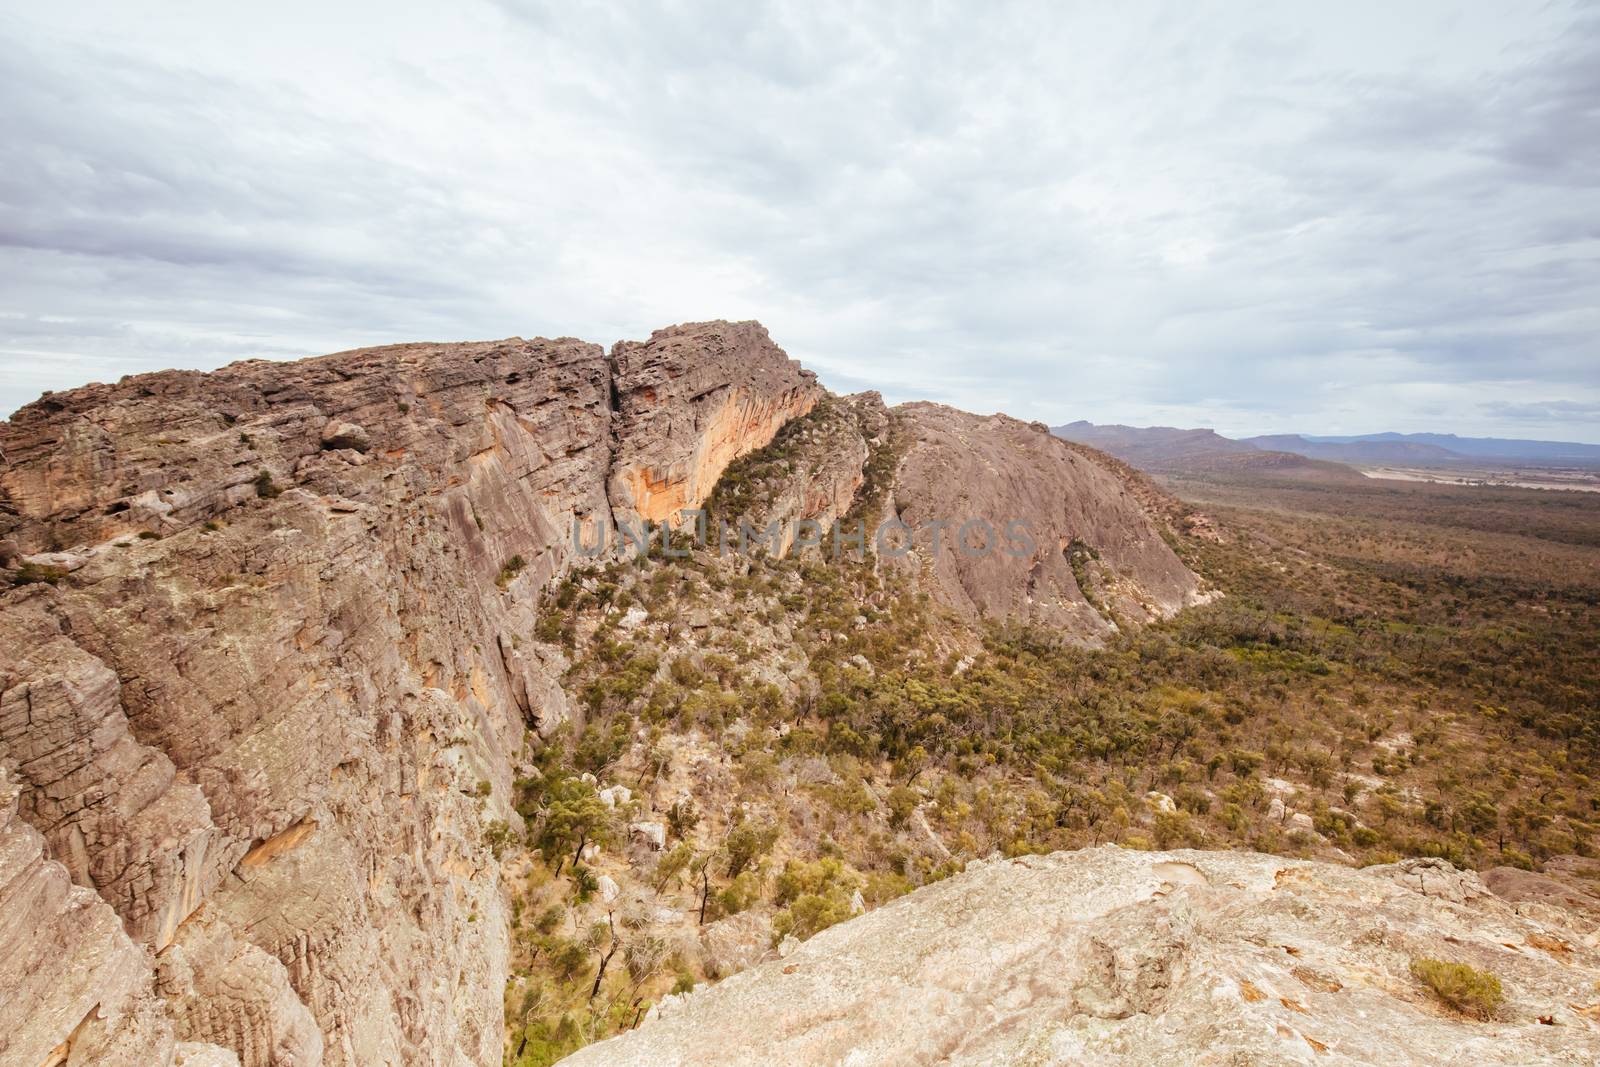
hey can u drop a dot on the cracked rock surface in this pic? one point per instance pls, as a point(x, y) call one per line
point(1112, 956)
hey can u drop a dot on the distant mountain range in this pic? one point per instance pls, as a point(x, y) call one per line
point(1477, 447)
point(1158, 447)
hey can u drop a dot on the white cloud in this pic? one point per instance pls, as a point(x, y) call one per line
point(1353, 218)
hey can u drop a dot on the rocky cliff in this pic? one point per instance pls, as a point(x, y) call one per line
point(270, 672)
point(691, 400)
point(271, 681)
point(1112, 956)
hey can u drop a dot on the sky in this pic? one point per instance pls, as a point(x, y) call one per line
point(1262, 217)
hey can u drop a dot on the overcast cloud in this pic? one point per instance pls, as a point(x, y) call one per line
point(1261, 217)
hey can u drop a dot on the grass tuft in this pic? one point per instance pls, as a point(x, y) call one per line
point(1466, 989)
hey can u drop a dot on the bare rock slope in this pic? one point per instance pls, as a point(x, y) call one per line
point(1033, 529)
point(1110, 956)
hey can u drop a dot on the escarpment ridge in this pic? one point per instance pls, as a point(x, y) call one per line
point(270, 670)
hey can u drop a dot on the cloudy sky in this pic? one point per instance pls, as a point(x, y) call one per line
point(1334, 218)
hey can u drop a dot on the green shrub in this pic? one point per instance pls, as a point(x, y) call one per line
point(1466, 989)
point(497, 835)
point(740, 894)
point(584, 883)
point(902, 804)
point(266, 488)
point(30, 573)
point(509, 570)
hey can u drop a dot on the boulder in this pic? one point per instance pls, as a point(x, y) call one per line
point(653, 834)
point(338, 434)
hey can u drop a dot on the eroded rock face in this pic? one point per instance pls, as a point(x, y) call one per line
point(1120, 957)
point(814, 478)
point(268, 710)
point(689, 402)
point(77, 990)
point(1088, 557)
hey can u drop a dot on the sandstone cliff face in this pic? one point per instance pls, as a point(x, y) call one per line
point(1120, 957)
point(814, 472)
point(282, 683)
point(1088, 556)
point(691, 400)
point(77, 990)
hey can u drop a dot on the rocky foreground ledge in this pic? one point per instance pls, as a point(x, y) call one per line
point(1110, 956)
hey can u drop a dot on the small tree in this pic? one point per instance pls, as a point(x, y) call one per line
point(682, 818)
point(603, 935)
point(700, 867)
point(902, 803)
point(574, 818)
point(746, 843)
point(673, 864)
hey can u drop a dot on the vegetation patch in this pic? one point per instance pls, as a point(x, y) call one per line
point(38, 573)
point(1468, 990)
point(509, 571)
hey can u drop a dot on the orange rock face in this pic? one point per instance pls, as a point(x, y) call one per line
point(277, 679)
point(691, 400)
point(739, 425)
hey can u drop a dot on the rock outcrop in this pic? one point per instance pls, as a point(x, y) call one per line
point(268, 690)
point(1030, 528)
point(809, 477)
point(77, 989)
point(1111, 956)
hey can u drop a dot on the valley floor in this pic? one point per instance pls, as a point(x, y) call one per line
point(768, 747)
point(1579, 479)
